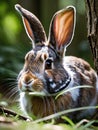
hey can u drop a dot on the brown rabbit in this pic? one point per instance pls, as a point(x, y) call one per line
point(47, 72)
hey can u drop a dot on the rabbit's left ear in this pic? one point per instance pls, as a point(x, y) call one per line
point(33, 26)
point(62, 28)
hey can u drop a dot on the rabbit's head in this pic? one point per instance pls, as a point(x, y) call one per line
point(43, 69)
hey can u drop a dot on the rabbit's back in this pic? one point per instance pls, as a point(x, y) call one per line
point(80, 70)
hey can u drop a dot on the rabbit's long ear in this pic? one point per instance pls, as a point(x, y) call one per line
point(62, 28)
point(32, 25)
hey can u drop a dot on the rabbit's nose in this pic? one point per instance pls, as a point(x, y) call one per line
point(28, 78)
point(26, 84)
point(27, 81)
point(30, 82)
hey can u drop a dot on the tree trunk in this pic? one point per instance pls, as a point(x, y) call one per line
point(92, 26)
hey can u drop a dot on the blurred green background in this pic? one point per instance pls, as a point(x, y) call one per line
point(14, 43)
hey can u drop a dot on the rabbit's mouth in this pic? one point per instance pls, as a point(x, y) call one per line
point(39, 87)
point(45, 93)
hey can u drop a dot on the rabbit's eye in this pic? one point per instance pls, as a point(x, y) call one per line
point(48, 64)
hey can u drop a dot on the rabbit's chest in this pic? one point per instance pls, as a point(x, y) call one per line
point(45, 106)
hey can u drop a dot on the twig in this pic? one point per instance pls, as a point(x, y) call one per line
point(81, 123)
point(10, 112)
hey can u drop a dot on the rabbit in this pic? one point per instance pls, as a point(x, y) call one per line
point(48, 72)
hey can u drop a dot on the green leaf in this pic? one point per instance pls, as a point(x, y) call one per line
point(63, 113)
point(68, 120)
point(70, 89)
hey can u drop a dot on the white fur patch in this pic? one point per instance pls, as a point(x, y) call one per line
point(50, 80)
point(43, 50)
point(24, 101)
point(74, 93)
point(60, 81)
point(97, 82)
point(53, 85)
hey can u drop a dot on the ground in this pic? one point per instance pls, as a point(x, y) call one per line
point(10, 120)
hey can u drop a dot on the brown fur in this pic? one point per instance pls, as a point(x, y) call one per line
point(47, 71)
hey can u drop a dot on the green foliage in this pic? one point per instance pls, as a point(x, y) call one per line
point(80, 5)
point(11, 27)
point(13, 39)
point(13, 124)
point(14, 45)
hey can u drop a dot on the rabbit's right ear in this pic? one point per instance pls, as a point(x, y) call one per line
point(33, 26)
point(62, 28)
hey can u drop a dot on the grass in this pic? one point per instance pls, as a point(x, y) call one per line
point(14, 123)
point(9, 122)
point(59, 114)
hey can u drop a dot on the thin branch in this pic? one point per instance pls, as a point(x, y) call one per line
point(10, 112)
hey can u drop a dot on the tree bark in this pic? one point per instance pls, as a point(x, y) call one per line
point(92, 26)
